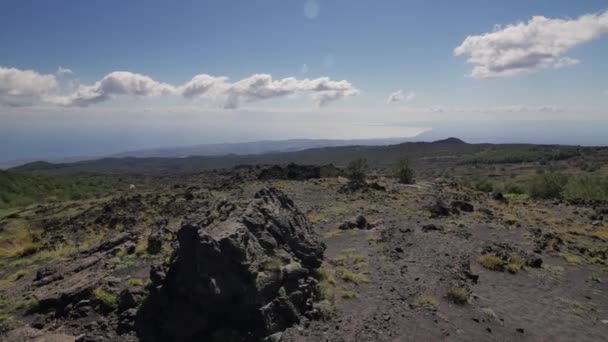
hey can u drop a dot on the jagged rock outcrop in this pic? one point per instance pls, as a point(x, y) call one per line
point(243, 279)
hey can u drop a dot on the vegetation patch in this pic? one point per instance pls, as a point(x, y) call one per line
point(356, 278)
point(24, 189)
point(457, 295)
point(491, 262)
point(515, 264)
point(106, 298)
point(427, 301)
point(513, 155)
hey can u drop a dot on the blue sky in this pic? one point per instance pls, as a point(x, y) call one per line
point(354, 54)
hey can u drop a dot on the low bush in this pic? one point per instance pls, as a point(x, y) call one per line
point(356, 171)
point(404, 172)
point(547, 185)
point(457, 295)
point(491, 262)
point(586, 187)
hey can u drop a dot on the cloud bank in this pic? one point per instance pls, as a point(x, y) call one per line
point(115, 84)
point(18, 87)
point(399, 96)
point(24, 87)
point(527, 47)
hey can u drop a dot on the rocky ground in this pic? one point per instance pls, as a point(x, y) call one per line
point(232, 257)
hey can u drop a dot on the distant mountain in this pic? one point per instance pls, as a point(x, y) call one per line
point(253, 147)
point(242, 148)
point(452, 140)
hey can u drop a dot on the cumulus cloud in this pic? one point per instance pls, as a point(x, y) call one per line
point(263, 86)
point(527, 47)
point(18, 87)
point(115, 84)
point(204, 86)
point(24, 87)
point(63, 71)
point(399, 96)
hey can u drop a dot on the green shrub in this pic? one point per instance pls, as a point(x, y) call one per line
point(404, 172)
point(330, 171)
point(547, 185)
point(356, 171)
point(483, 185)
point(586, 187)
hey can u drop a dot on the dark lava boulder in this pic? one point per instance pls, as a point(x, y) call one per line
point(458, 206)
point(243, 279)
point(438, 208)
point(358, 221)
point(498, 196)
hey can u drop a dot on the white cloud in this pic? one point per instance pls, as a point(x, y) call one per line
point(399, 96)
point(304, 68)
point(24, 87)
point(204, 85)
point(527, 47)
point(263, 86)
point(115, 84)
point(63, 71)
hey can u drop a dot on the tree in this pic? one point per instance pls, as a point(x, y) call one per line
point(404, 172)
point(356, 171)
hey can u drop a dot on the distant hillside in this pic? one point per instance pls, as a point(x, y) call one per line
point(253, 147)
point(454, 141)
point(18, 189)
point(377, 156)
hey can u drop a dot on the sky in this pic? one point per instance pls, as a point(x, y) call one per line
point(83, 78)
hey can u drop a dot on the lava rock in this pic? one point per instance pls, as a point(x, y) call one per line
point(155, 244)
point(431, 227)
point(458, 206)
point(438, 208)
point(247, 276)
point(358, 221)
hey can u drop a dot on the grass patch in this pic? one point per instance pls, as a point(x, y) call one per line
point(515, 264)
point(348, 293)
point(353, 277)
point(491, 262)
point(457, 295)
point(106, 298)
point(427, 301)
point(135, 282)
point(573, 259)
